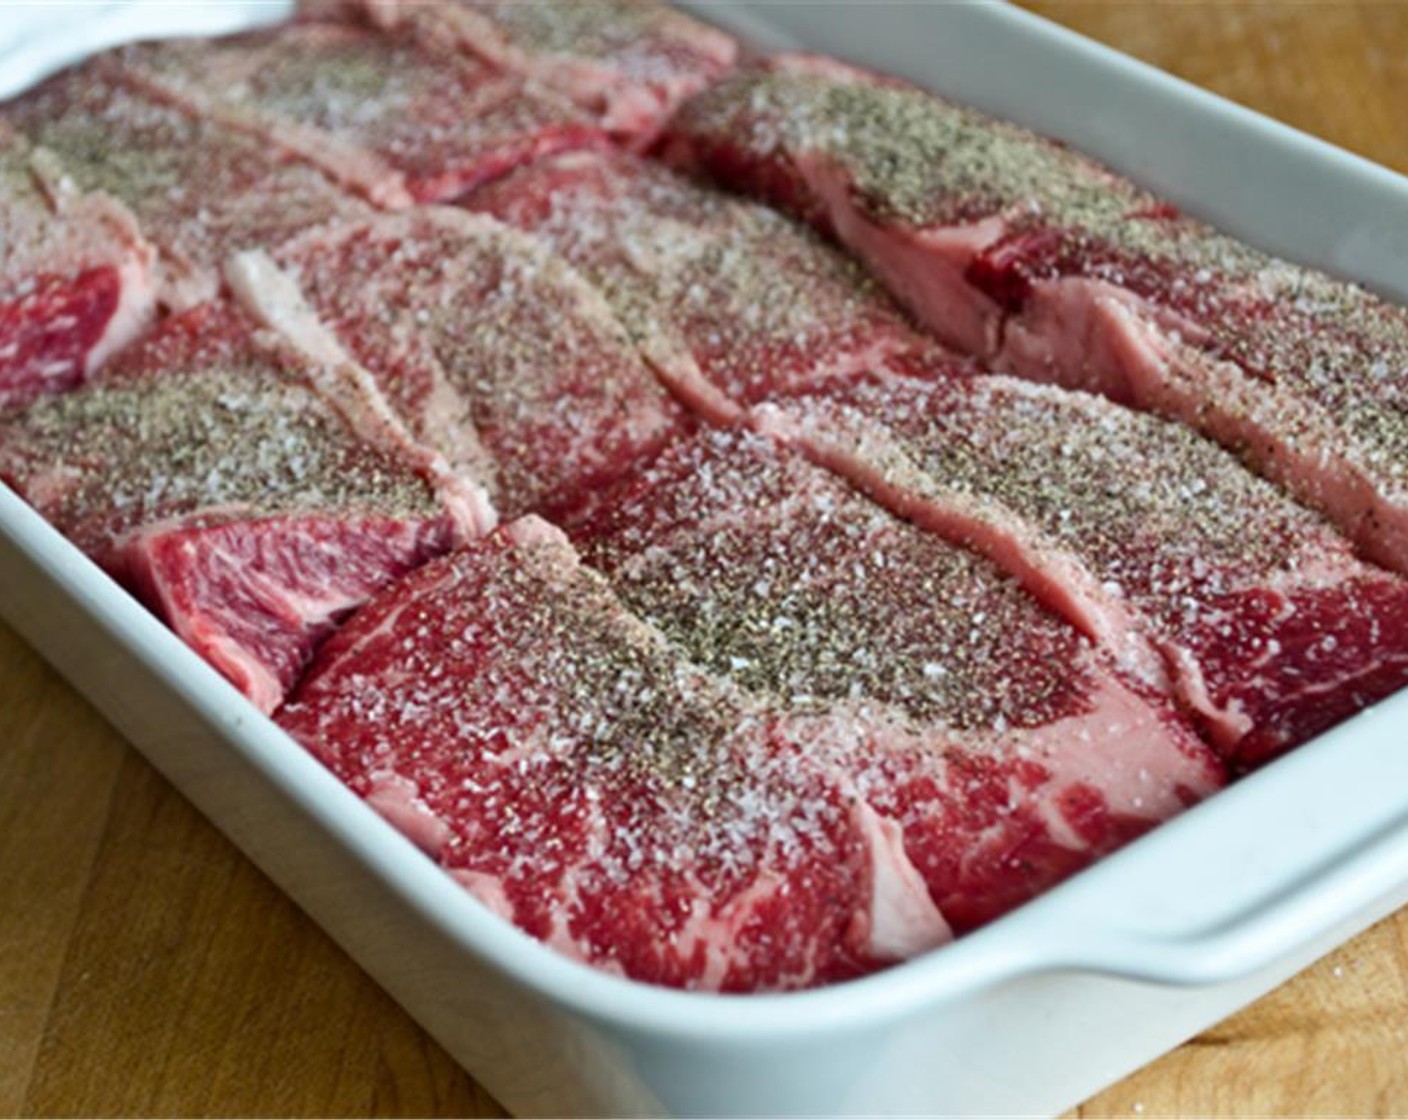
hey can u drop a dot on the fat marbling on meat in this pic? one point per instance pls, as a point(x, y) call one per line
point(1047, 265)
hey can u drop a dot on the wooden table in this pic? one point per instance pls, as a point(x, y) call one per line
point(147, 968)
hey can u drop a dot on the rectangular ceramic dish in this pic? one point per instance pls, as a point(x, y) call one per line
point(1029, 1015)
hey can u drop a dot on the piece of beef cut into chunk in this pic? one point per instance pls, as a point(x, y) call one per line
point(1010, 750)
point(627, 62)
point(490, 347)
point(581, 778)
point(198, 189)
point(205, 470)
point(1195, 574)
point(387, 115)
point(75, 281)
point(1051, 267)
point(730, 301)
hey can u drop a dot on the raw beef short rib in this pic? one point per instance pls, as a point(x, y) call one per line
point(731, 302)
point(1009, 749)
point(1195, 574)
point(75, 281)
point(578, 776)
point(1049, 266)
point(627, 62)
point(386, 115)
point(490, 347)
point(205, 470)
point(198, 189)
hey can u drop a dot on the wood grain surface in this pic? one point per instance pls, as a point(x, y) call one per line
point(146, 968)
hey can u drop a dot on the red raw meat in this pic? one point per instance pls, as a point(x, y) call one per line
point(207, 468)
point(199, 190)
point(1047, 265)
point(731, 302)
point(1012, 753)
point(255, 597)
point(1193, 573)
point(491, 348)
point(391, 117)
point(628, 62)
point(74, 276)
point(580, 778)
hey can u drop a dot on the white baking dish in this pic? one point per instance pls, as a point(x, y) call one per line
point(1030, 1015)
